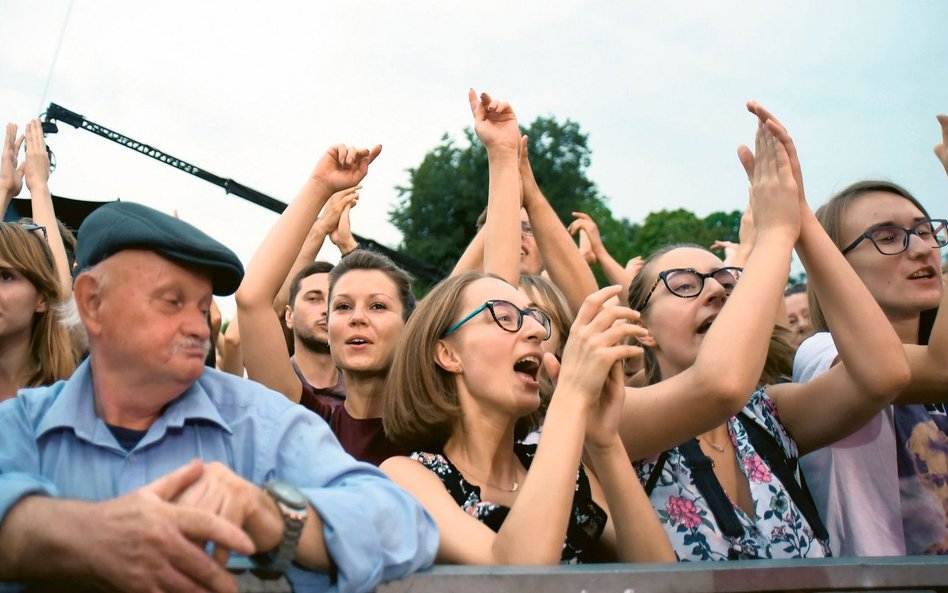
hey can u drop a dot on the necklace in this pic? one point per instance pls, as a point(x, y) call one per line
point(514, 488)
point(715, 446)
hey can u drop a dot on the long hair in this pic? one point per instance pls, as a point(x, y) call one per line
point(778, 365)
point(421, 398)
point(831, 216)
point(50, 347)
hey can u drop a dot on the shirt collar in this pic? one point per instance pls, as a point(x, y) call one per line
point(74, 409)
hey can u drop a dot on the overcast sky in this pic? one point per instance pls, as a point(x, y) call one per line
point(256, 91)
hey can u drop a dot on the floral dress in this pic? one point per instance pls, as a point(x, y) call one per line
point(586, 521)
point(778, 528)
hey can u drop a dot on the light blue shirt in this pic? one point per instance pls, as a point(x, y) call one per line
point(52, 443)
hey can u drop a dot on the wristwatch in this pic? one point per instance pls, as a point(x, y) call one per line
point(292, 504)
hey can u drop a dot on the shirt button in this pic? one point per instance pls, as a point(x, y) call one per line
point(132, 458)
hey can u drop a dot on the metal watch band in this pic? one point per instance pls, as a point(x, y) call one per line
point(294, 517)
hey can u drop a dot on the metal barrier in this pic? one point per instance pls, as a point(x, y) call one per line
point(835, 574)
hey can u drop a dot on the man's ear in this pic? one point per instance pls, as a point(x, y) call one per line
point(447, 358)
point(288, 317)
point(87, 291)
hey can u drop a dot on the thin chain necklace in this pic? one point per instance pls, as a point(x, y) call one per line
point(715, 446)
point(514, 488)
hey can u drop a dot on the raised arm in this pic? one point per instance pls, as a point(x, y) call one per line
point(36, 173)
point(731, 356)
point(496, 126)
point(265, 354)
point(328, 222)
point(11, 177)
point(614, 271)
point(874, 368)
point(566, 266)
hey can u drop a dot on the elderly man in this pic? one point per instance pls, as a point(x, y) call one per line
point(130, 472)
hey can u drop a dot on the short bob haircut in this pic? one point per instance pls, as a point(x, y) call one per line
point(421, 398)
point(51, 348)
point(831, 215)
point(363, 259)
point(778, 366)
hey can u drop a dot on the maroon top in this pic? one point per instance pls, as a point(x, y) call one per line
point(315, 398)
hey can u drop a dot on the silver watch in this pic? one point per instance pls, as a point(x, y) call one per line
point(293, 505)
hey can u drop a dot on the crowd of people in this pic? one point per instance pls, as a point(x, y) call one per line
point(697, 408)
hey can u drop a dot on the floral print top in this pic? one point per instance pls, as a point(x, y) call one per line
point(778, 528)
point(586, 522)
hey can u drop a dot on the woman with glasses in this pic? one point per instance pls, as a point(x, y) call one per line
point(714, 443)
point(462, 391)
point(894, 470)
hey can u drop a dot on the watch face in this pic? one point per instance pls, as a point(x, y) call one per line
point(289, 494)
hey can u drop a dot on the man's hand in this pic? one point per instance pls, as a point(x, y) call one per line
point(143, 542)
point(11, 177)
point(344, 166)
point(331, 214)
point(221, 492)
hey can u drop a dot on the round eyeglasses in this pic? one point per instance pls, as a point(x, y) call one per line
point(688, 283)
point(890, 239)
point(508, 316)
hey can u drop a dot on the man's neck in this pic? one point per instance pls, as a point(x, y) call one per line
point(125, 400)
point(317, 368)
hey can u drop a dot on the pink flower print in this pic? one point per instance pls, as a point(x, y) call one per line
point(756, 470)
point(683, 511)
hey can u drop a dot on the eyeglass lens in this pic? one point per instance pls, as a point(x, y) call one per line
point(892, 240)
point(688, 283)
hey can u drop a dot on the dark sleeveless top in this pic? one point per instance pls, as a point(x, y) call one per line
point(586, 521)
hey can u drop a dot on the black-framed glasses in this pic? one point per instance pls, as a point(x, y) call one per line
point(31, 227)
point(892, 240)
point(688, 283)
point(508, 316)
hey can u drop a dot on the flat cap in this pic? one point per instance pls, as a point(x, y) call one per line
point(125, 225)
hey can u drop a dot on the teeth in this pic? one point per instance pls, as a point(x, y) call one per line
point(922, 274)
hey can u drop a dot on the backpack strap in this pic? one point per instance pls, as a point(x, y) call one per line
point(702, 470)
point(785, 470)
point(656, 473)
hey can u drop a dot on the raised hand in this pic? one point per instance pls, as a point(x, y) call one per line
point(11, 177)
point(596, 342)
point(494, 122)
point(344, 166)
point(329, 217)
point(36, 169)
point(342, 236)
point(941, 150)
point(584, 224)
point(634, 266)
point(143, 542)
point(767, 118)
point(775, 196)
point(219, 491)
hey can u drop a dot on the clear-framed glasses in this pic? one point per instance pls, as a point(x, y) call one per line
point(892, 240)
point(688, 283)
point(508, 316)
point(525, 228)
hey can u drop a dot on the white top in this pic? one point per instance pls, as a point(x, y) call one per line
point(854, 481)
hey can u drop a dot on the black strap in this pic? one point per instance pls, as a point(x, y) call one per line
point(776, 458)
point(702, 470)
point(656, 473)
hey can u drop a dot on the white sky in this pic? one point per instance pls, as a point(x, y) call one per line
point(256, 91)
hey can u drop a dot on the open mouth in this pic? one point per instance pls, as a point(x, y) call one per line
point(528, 365)
point(357, 341)
point(706, 325)
point(924, 273)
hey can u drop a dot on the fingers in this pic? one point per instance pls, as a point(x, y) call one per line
point(193, 566)
point(173, 484)
point(593, 304)
point(202, 525)
point(552, 366)
point(747, 161)
point(10, 136)
point(475, 104)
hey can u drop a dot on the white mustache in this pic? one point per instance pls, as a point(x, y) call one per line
point(191, 344)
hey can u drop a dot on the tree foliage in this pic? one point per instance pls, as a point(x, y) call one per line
point(437, 210)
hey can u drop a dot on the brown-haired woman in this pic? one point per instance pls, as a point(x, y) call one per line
point(35, 348)
point(463, 380)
